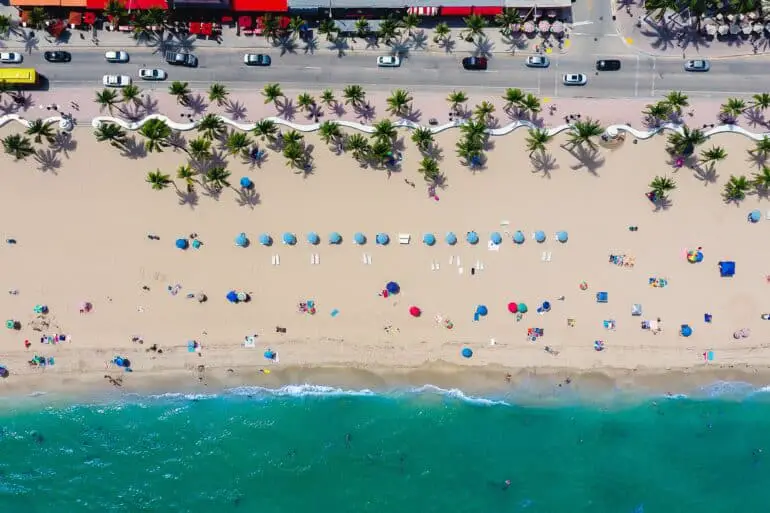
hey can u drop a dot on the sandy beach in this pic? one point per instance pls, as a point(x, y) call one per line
point(81, 233)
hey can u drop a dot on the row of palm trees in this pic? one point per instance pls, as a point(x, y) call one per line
point(21, 146)
point(670, 108)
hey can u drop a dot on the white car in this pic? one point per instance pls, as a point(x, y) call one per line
point(152, 74)
point(697, 65)
point(11, 57)
point(575, 79)
point(388, 61)
point(537, 61)
point(116, 80)
point(116, 56)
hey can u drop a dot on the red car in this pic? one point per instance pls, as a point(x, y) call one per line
point(476, 63)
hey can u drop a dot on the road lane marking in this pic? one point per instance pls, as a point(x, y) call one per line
point(581, 23)
point(654, 72)
point(636, 80)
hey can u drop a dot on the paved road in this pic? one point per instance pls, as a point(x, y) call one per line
point(640, 76)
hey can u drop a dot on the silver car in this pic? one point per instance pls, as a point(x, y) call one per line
point(575, 79)
point(116, 56)
point(152, 74)
point(116, 80)
point(697, 65)
point(11, 57)
point(388, 61)
point(537, 61)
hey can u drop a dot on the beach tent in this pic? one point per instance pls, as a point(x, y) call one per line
point(451, 238)
point(562, 236)
point(232, 296)
point(727, 269)
point(392, 287)
point(335, 238)
point(602, 297)
point(383, 239)
point(241, 240)
point(685, 330)
point(513, 307)
point(755, 216)
point(289, 238)
point(246, 182)
point(359, 238)
point(472, 238)
point(415, 311)
point(429, 239)
point(182, 244)
point(313, 238)
point(518, 237)
point(265, 240)
point(467, 352)
point(539, 236)
point(496, 238)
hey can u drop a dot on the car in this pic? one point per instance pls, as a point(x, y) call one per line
point(697, 65)
point(116, 56)
point(182, 59)
point(256, 59)
point(11, 57)
point(574, 79)
point(608, 65)
point(152, 74)
point(388, 61)
point(57, 56)
point(537, 61)
point(478, 63)
point(116, 80)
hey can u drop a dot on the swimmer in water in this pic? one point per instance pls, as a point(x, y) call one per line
point(506, 484)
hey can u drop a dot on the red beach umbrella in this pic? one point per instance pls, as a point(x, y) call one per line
point(414, 311)
point(513, 307)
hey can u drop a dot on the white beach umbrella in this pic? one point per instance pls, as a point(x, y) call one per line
point(723, 30)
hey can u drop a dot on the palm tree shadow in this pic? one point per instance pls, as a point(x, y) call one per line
point(177, 141)
point(399, 144)
point(212, 192)
point(401, 48)
point(414, 115)
point(707, 174)
point(515, 41)
point(286, 109)
point(133, 149)
point(197, 104)
point(254, 158)
point(757, 159)
point(185, 43)
point(372, 43)
point(696, 40)
point(662, 204)
point(30, 41)
point(311, 46)
point(483, 47)
point(235, 110)
point(339, 109)
point(544, 162)
point(286, 44)
point(188, 196)
point(365, 112)
point(314, 112)
point(588, 158)
point(9, 107)
point(247, 197)
point(419, 40)
point(435, 152)
point(64, 143)
point(23, 100)
point(340, 45)
point(755, 117)
point(48, 160)
point(661, 35)
point(448, 45)
point(148, 104)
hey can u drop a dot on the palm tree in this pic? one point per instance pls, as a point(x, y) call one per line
point(131, 94)
point(429, 169)
point(292, 137)
point(761, 148)
point(410, 22)
point(537, 138)
point(237, 142)
point(384, 130)
point(684, 144)
point(157, 133)
point(265, 129)
point(37, 18)
point(354, 95)
point(180, 90)
point(380, 151)
point(112, 133)
point(660, 186)
point(330, 131)
point(483, 111)
point(362, 27)
point(732, 108)
point(270, 27)
point(584, 132)
point(115, 11)
point(41, 130)
point(295, 25)
point(761, 180)
point(294, 155)
point(305, 101)
point(423, 138)
point(677, 100)
point(531, 104)
point(218, 93)
point(272, 92)
point(328, 99)
point(217, 177)
point(455, 99)
point(200, 148)
point(469, 149)
point(357, 145)
point(186, 173)
point(761, 101)
point(736, 188)
point(474, 26)
point(713, 155)
point(157, 180)
point(441, 31)
point(5, 26)
point(474, 131)
point(328, 28)
point(107, 98)
point(656, 112)
point(513, 98)
point(211, 126)
point(18, 146)
point(507, 19)
point(388, 30)
point(399, 102)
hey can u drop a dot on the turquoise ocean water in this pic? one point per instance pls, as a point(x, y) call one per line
point(316, 449)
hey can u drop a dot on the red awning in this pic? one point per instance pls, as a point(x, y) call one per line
point(260, 5)
point(195, 28)
point(145, 4)
point(75, 18)
point(284, 22)
point(456, 11)
point(487, 11)
point(244, 22)
point(96, 4)
point(207, 29)
point(89, 18)
point(227, 19)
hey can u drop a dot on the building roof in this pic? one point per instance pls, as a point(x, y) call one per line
point(399, 4)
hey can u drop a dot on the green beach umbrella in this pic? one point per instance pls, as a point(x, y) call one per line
point(522, 307)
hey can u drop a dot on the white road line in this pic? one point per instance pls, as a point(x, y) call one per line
point(312, 67)
point(613, 34)
point(636, 81)
point(581, 23)
point(654, 72)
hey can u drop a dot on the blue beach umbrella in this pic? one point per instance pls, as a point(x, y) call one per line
point(472, 238)
point(392, 287)
point(482, 310)
point(467, 352)
point(182, 244)
point(451, 238)
point(313, 238)
point(429, 239)
point(289, 238)
point(685, 330)
point(755, 216)
point(232, 296)
point(496, 238)
point(383, 239)
point(241, 240)
point(335, 238)
point(546, 306)
point(265, 240)
point(519, 237)
point(359, 238)
point(540, 236)
point(246, 182)
point(562, 236)
point(269, 354)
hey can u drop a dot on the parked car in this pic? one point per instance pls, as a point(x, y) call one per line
point(537, 61)
point(152, 74)
point(257, 59)
point(575, 79)
point(608, 65)
point(388, 61)
point(11, 57)
point(57, 56)
point(697, 65)
point(477, 63)
point(116, 56)
point(182, 59)
point(116, 80)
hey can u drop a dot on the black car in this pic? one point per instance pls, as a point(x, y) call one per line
point(475, 63)
point(57, 56)
point(609, 65)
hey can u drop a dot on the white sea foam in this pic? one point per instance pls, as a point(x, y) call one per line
point(304, 390)
point(456, 393)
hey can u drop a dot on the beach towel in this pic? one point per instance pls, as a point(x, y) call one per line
point(249, 341)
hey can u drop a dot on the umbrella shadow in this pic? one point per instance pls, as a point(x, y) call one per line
point(543, 162)
point(197, 104)
point(48, 160)
point(64, 143)
point(188, 196)
point(247, 197)
point(706, 174)
point(286, 109)
point(588, 158)
point(133, 148)
point(235, 110)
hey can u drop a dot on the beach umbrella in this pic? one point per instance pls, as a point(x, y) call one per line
point(182, 244)
point(414, 311)
point(246, 182)
point(392, 287)
point(3, 372)
point(466, 352)
point(359, 238)
point(472, 238)
point(513, 307)
point(429, 239)
point(482, 310)
point(126, 363)
point(201, 297)
point(755, 216)
point(562, 236)
point(118, 361)
point(289, 238)
point(522, 307)
point(383, 239)
point(451, 238)
point(313, 238)
point(546, 306)
point(335, 238)
point(496, 238)
point(540, 236)
point(685, 330)
point(269, 354)
point(242, 296)
point(232, 296)
point(265, 240)
point(519, 237)
point(241, 240)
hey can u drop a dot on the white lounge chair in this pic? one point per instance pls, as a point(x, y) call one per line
point(404, 238)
